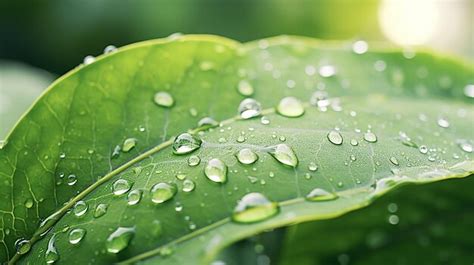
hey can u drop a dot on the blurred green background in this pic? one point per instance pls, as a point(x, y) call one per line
point(56, 35)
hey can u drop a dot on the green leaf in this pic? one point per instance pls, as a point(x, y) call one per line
point(63, 152)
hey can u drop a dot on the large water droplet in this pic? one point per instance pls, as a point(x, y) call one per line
point(245, 88)
point(290, 107)
point(100, 210)
point(188, 185)
point(249, 108)
point(216, 170)
point(76, 235)
point(119, 239)
point(254, 207)
point(335, 137)
point(162, 192)
point(246, 156)
point(443, 123)
point(319, 194)
point(164, 99)
point(465, 146)
point(284, 154)
point(134, 197)
point(121, 186)
point(186, 143)
point(22, 246)
point(129, 144)
point(51, 255)
point(370, 137)
point(80, 208)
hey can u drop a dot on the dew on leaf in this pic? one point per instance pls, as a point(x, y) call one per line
point(254, 207)
point(207, 122)
point(310, 70)
point(80, 208)
point(312, 166)
point(116, 151)
point(394, 160)
point(180, 176)
point(88, 59)
point(100, 210)
point(29, 203)
point(264, 120)
point(370, 137)
point(51, 255)
point(423, 149)
point(290, 107)
point(129, 144)
point(216, 170)
point(327, 71)
point(246, 156)
point(194, 160)
point(360, 47)
point(22, 246)
point(249, 108)
point(163, 99)
point(284, 154)
point(119, 239)
point(335, 137)
point(162, 192)
point(121, 186)
point(354, 142)
point(186, 143)
point(319, 194)
point(245, 88)
point(443, 123)
point(319, 99)
point(465, 146)
point(134, 197)
point(109, 49)
point(76, 235)
point(469, 90)
point(188, 185)
point(71, 179)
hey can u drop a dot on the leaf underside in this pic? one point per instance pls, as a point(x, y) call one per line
point(75, 126)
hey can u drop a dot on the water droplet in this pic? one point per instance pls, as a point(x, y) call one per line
point(216, 170)
point(121, 186)
point(245, 88)
point(62, 155)
point(22, 246)
point(186, 143)
point(100, 210)
point(443, 123)
point(312, 166)
point(206, 65)
point(310, 70)
point(194, 160)
point(109, 49)
point(71, 180)
point(162, 192)
point(290, 107)
point(393, 219)
point(394, 160)
point(51, 255)
point(370, 137)
point(249, 108)
point(3, 143)
point(134, 197)
point(469, 90)
point(246, 156)
point(207, 122)
point(360, 47)
point(319, 194)
point(76, 235)
point(129, 144)
point(423, 149)
point(465, 146)
point(327, 71)
point(284, 154)
point(264, 120)
point(354, 142)
point(164, 99)
point(335, 137)
point(116, 151)
point(80, 208)
point(353, 158)
point(88, 59)
point(188, 185)
point(119, 239)
point(254, 207)
point(180, 176)
point(380, 66)
point(29, 203)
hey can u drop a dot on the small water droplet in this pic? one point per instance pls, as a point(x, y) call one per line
point(469, 90)
point(208, 122)
point(121, 186)
point(245, 88)
point(246, 156)
point(164, 99)
point(194, 160)
point(319, 194)
point(22, 246)
point(29, 203)
point(423, 149)
point(335, 137)
point(264, 120)
point(465, 146)
point(354, 142)
point(443, 123)
point(3, 143)
point(76, 235)
point(116, 151)
point(284, 154)
point(119, 239)
point(393, 219)
point(71, 180)
point(290, 107)
point(80, 208)
point(370, 137)
point(394, 160)
point(254, 207)
point(360, 47)
point(129, 144)
point(109, 49)
point(88, 59)
point(188, 185)
point(312, 166)
point(216, 170)
point(162, 192)
point(327, 71)
point(186, 143)
point(249, 108)
point(100, 210)
point(62, 155)
point(134, 197)
point(353, 157)
point(51, 255)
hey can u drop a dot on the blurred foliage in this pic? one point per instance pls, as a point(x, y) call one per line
point(56, 35)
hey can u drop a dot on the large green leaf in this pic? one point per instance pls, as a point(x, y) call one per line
point(416, 108)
